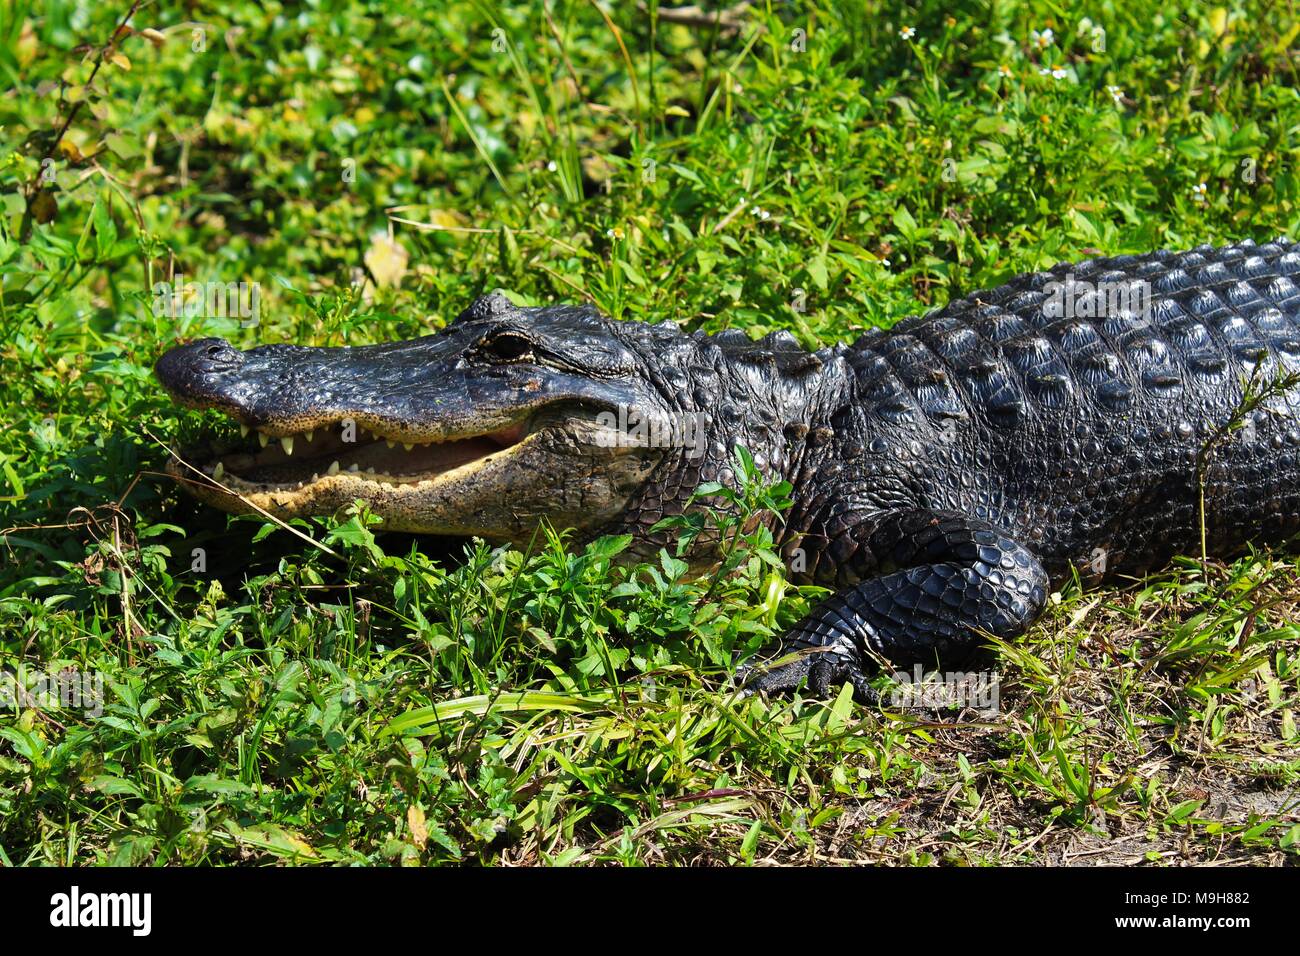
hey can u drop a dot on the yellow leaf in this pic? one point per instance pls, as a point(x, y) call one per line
point(445, 219)
point(120, 61)
point(1219, 21)
point(419, 831)
point(25, 49)
point(70, 150)
point(386, 260)
point(156, 37)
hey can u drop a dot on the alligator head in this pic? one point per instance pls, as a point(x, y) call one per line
point(507, 416)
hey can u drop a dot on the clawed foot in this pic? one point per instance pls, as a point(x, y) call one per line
point(818, 669)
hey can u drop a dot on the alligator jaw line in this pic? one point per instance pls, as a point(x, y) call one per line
point(300, 461)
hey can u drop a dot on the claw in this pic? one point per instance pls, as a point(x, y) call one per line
point(817, 669)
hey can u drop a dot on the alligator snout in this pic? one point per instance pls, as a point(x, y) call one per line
point(204, 357)
point(188, 371)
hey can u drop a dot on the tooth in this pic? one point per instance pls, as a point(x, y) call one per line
point(219, 470)
point(406, 446)
point(333, 468)
point(287, 444)
point(390, 443)
point(354, 467)
point(263, 438)
point(315, 477)
point(310, 435)
point(243, 430)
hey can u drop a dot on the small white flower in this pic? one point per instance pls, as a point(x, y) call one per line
point(1042, 38)
point(737, 89)
point(551, 166)
point(615, 233)
point(1044, 71)
point(764, 214)
point(1085, 26)
point(1116, 94)
point(1005, 70)
point(885, 263)
point(907, 32)
point(1059, 74)
point(1199, 192)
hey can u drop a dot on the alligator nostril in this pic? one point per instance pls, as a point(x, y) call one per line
point(216, 355)
point(185, 366)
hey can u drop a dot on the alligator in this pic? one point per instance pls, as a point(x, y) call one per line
point(1085, 423)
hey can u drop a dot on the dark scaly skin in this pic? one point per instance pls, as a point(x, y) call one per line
point(1075, 446)
point(946, 473)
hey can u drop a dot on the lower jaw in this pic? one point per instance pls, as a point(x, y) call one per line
point(420, 501)
point(500, 497)
point(423, 507)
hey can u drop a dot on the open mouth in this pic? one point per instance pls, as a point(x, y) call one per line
point(259, 462)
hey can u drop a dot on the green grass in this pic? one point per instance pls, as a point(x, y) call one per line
point(406, 700)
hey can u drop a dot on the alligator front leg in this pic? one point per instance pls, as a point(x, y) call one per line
point(946, 580)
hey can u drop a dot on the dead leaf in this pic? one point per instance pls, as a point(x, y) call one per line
point(25, 49)
point(386, 260)
point(43, 206)
point(446, 219)
point(419, 831)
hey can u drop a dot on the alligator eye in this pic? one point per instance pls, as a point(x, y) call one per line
point(507, 347)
